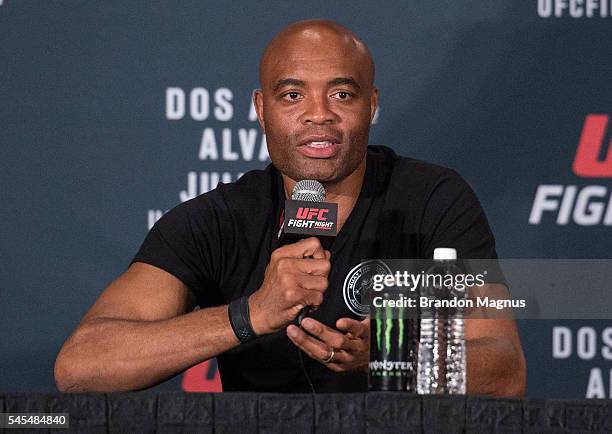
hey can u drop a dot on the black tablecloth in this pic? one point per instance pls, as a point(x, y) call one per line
point(325, 413)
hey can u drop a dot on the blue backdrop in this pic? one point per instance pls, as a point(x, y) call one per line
point(113, 112)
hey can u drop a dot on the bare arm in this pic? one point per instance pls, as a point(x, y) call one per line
point(495, 359)
point(137, 334)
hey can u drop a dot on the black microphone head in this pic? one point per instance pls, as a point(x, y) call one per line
point(308, 190)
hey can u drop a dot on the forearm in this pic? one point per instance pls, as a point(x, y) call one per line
point(495, 367)
point(107, 354)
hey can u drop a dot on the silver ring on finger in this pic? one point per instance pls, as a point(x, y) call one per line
point(330, 358)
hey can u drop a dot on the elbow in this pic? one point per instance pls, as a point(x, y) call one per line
point(71, 369)
point(504, 374)
point(73, 376)
point(515, 382)
point(64, 374)
point(519, 385)
point(83, 365)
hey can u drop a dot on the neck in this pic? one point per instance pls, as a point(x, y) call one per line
point(344, 192)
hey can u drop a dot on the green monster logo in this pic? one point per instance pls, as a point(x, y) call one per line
point(388, 329)
point(388, 321)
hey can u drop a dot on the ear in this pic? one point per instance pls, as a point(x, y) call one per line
point(258, 103)
point(373, 103)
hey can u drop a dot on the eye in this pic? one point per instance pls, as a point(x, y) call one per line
point(342, 95)
point(292, 96)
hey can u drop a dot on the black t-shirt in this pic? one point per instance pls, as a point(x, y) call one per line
point(219, 244)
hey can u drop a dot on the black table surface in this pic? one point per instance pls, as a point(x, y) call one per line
point(378, 412)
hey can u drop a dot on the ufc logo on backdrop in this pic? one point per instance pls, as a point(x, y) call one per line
point(583, 205)
point(592, 141)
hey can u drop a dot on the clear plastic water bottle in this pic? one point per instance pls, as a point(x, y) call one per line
point(456, 363)
point(441, 365)
point(430, 358)
point(428, 367)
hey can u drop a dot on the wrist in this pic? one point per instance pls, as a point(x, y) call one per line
point(239, 317)
point(257, 322)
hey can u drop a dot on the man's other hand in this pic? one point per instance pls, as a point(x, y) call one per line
point(342, 350)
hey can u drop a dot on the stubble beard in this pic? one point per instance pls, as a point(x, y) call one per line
point(329, 171)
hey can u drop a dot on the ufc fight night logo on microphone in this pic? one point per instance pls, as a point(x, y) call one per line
point(311, 218)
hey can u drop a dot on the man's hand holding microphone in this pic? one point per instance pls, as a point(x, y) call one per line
point(297, 277)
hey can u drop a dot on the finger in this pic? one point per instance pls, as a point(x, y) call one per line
point(357, 329)
point(318, 254)
point(311, 247)
point(300, 249)
point(316, 349)
point(313, 347)
point(314, 299)
point(332, 338)
point(300, 296)
point(313, 283)
point(317, 267)
point(303, 267)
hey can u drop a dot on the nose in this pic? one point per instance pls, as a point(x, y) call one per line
point(317, 111)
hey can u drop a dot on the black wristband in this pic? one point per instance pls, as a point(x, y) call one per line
point(240, 320)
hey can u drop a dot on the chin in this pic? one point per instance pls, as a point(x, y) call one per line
point(323, 176)
point(311, 170)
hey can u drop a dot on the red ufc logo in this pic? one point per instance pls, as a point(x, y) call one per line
point(203, 377)
point(587, 163)
point(309, 213)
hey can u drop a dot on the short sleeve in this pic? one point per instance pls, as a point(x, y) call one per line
point(185, 243)
point(453, 217)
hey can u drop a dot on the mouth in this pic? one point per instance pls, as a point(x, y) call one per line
point(319, 146)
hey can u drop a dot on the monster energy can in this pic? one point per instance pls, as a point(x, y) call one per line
point(393, 344)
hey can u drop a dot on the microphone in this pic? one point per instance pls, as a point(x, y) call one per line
point(308, 190)
point(308, 215)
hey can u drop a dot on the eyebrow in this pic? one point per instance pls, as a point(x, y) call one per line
point(350, 81)
point(288, 82)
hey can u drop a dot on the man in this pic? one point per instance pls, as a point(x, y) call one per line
point(316, 103)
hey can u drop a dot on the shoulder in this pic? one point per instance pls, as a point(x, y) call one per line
point(439, 206)
point(252, 188)
point(253, 185)
point(412, 177)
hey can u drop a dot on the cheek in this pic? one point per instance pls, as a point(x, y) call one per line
point(279, 123)
point(358, 130)
point(282, 134)
point(278, 137)
point(358, 118)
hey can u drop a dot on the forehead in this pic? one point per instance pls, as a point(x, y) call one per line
point(315, 57)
